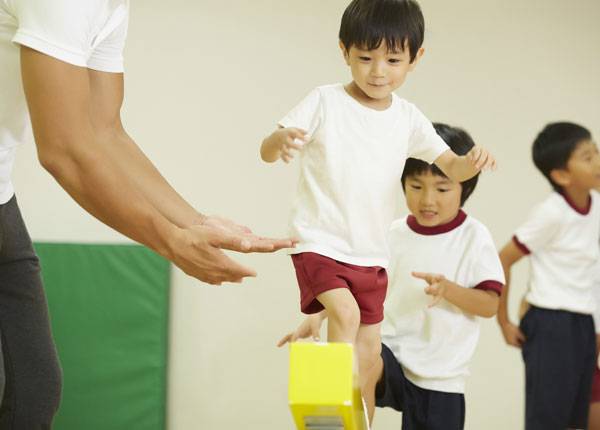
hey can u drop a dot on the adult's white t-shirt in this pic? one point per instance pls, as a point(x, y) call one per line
point(562, 242)
point(350, 171)
point(434, 345)
point(85, 33)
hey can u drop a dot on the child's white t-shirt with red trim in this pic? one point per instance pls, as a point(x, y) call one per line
point(434, 345)
point(563, 244)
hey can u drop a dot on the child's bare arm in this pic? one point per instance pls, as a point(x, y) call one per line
point(281, 144)
point(309, 327)
point(478, 302)
point(463, 167)
point(509, 255)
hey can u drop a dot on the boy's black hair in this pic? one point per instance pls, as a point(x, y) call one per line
point(460, 143)
point(553, 147)
point(366, 23)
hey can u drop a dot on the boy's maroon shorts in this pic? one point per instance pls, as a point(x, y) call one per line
point(317, 274)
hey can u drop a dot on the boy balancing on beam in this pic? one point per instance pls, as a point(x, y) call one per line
point(427, 344)
point(355, 140)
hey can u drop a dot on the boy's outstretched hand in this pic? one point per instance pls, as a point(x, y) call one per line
point(481, 158)
point(309, 327)
point(436, 287)
point(288, 142)
point(282, 144)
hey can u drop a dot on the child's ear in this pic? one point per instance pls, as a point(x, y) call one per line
point(414, 62)
point(560, 177)
point(345, 53)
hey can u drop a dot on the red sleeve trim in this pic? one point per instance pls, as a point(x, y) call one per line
point(522, 247)
point(489, 286)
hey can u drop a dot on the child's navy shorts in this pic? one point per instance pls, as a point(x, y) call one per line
point(421, 409)
point(560, 354)
point(317, 274)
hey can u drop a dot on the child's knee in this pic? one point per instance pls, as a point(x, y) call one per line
point(345, 314)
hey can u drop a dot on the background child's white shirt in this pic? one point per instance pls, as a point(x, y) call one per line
point(350, 170)
point(565, 252)
point(434, 345)
point(85, 33)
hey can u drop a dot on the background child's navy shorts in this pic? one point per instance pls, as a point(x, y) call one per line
point(317, 274)
point(421, 409)
point(560, 354)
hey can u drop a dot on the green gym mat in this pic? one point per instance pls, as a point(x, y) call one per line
point(109, 312)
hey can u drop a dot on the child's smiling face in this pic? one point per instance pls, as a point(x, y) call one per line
point(378, 72)
point(432, 199)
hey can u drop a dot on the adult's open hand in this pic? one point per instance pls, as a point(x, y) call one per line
point(250, 241)
point(198, 249)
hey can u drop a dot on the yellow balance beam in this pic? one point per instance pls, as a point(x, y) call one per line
point(324, 389)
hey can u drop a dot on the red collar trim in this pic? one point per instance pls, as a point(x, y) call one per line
point(438, 229)
point(577, 209)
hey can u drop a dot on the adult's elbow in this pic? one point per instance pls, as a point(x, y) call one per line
point(53, 157)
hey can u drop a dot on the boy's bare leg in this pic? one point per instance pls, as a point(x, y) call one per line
point(368, 346)
point(368, 390)
point(343, 314)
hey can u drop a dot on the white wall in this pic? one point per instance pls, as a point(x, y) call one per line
point(207, 80)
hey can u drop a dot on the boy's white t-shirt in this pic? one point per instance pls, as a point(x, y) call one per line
point(562, 242)
point(350, 170)
point(434, 345)
point(85, 33)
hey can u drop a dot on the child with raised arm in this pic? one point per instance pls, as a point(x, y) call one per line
point(355, 140)
point(561, 238)
point(428, 341)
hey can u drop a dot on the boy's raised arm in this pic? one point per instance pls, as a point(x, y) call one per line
point(282, 144)
point(509, 255)
point(463, 167)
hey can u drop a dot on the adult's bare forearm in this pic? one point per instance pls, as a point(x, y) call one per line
point(103, 189)
point(124, 152)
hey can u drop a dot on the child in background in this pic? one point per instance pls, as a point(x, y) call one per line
point(355, 140)
point(428, 341)
point(561, 237)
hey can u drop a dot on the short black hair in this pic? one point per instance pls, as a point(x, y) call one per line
point(460, 142)
point(554, 145)
point(366, 23)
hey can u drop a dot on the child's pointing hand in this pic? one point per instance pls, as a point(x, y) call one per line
point(436, 287)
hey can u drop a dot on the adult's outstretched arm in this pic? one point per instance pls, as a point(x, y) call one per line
point(75, 113)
